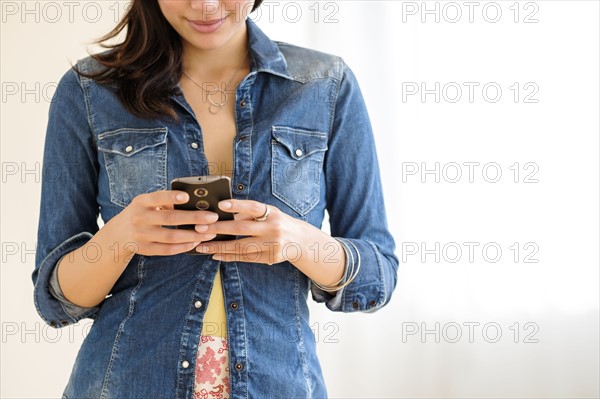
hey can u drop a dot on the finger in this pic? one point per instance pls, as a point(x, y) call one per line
point(175, 236)
point(178, 217)
point(234, 227)
point(247, 245)
point(161, 249)
point(162, 198)
point(242, 216)
point(249, 207)
point(257, 257)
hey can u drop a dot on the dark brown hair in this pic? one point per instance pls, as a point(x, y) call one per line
point(146, 66)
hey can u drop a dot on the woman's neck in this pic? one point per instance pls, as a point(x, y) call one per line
point(216, 64)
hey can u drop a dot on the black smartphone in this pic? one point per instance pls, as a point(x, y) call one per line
point(205, 193)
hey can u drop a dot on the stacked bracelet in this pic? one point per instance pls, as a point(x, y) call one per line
point(353, 273)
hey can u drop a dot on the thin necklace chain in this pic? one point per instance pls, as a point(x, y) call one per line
point(216, 106)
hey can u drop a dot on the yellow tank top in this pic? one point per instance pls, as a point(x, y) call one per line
point(214, 322)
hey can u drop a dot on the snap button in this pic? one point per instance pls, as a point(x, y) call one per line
point(372, 304)
point(355, 305)
point(185, 364)
point(299, 152)
point(194, 145)
point(239, 366)
point(240, 187)
point(64, 322)
point(129, 148)
point(234, 305)
point(197, 304)
point(243, 104)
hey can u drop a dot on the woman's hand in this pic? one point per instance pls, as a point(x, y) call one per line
point(141, 224)
point(272, 240)
point(275, 237)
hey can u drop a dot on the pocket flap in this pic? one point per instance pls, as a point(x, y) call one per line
point(300, 143)
point(128, 142)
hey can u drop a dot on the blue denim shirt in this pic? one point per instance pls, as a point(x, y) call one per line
point(98, 157)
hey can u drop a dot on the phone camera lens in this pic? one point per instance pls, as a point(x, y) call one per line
point(202, 205)
point(201, 192)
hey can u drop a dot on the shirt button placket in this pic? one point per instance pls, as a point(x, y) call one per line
point(243, 151)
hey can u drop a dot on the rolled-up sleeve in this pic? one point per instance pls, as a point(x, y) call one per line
point(356, 206)
point(68, 207)
point(74, 310)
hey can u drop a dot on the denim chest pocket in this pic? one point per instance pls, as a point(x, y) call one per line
point(136, 162)
point(296, 166)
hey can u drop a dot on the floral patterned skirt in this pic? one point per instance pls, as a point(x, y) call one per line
point(212, 368)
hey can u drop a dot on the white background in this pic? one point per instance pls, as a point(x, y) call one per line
point(541, 294)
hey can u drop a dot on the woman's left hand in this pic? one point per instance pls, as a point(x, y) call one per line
point(277, 238)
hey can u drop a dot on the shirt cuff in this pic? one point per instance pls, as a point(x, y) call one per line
point(52, 310)
point(73, 310)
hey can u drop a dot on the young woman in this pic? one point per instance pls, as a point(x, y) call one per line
point(196, 88)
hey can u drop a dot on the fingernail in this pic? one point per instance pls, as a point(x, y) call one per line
point(225, 204)
point(217, 257)
point(182, 197)
point(201, 228)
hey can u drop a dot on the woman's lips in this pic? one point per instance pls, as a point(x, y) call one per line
point(207, 26)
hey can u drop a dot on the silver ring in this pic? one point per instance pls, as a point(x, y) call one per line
point(264, 216)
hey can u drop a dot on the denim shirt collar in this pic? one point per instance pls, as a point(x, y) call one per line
point(265, 53)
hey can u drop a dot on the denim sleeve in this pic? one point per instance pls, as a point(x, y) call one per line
point(68, 208)
point(356, 206)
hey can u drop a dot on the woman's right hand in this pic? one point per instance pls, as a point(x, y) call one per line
point(141, 224)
